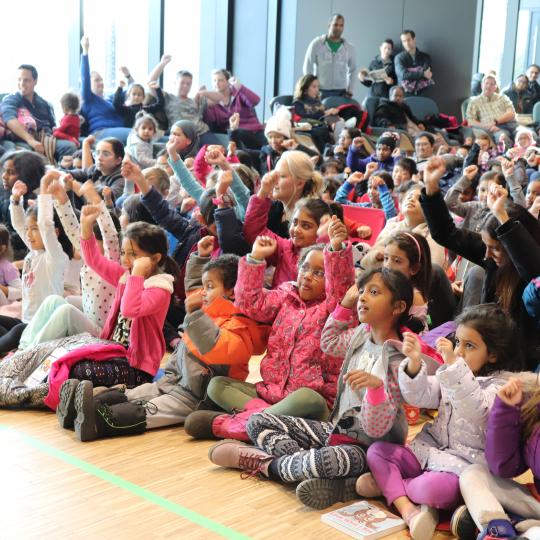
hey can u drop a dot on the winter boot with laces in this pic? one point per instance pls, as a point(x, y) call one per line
point(107, 415)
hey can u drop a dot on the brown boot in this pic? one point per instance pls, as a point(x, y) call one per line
point(367, 487)
point(238, 455)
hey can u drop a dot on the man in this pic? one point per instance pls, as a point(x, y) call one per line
point(424, 148)
point(332, 59)
point(28, 115)
point(413, 67)
point(181, 106)
point(492, 111)
point(534, 88)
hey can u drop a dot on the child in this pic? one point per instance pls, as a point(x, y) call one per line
point(10, 281)
point(525, 143)
point(382, 156)
point(303, 228)
point(327, 457)
point(46, 263)
point(339, 151)
point(424, 477)
point(139, 142)
point(380, 187)
point(70, 125)
point(297, 377)
point(404, 170)
point(511, 449)
point(217, 340)
point(144, 284)
point(486, 151)
point(129, 108)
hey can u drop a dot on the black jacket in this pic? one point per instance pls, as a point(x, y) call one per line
point(390, 113)
point(381, 89)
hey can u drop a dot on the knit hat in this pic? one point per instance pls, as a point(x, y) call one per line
point(279, 123)
point(387, 141)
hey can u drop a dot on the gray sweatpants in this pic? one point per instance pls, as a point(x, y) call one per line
point(163, 409)
point(488, 496)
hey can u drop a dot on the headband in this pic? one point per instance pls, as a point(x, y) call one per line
point(416, 242)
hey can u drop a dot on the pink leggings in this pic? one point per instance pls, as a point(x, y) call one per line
point(398, 473)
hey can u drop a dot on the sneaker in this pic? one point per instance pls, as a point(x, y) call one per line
point(65, 411)
point(422, 523)
point(238, 455)
point(199, 424)
point(462, 524)
point(367, 487)
point(320, 493)
point(497, 528)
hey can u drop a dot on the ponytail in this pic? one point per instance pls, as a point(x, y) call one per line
point(314, 186)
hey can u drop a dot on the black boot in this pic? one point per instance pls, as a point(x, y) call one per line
point(106, 415)
point(65, 411)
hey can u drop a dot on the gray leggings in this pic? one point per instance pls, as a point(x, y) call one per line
point(301, 449)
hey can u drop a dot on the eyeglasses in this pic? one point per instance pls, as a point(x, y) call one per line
point(102, 153)
point(317, 274)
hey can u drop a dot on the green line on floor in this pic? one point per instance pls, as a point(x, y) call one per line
point(124, 484)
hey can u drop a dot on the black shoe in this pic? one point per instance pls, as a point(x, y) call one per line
point(199, 424)
point(85, 421)
point(462, 524)
point(65, 411)
point(120, 419)
point(320, 493)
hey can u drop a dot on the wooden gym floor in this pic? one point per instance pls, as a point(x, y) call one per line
point(157, 485)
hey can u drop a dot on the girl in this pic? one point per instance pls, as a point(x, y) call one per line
point(511, 449)
point(409, 254)
point(297, 179)
point(139, 143)
point(326, 457)
point(298, 378)
point(128, 109)
point(525, 143)
point(427, 472)
point(46, 263)
point(10, 281)
point(507, 249)
point(144, 283)
point(58, 316)
point(303, 229)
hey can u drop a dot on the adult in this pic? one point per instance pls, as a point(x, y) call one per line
point(492, 111)
point(102, 118)
point(180, 106)
point(413, 67)
point(508, 248)
point(533, 71)
point(384, 63)
point(105, 172)
point(332, 59)
point(395, 113)
point(424, 149)
point(30, 118)
point(232, 105)
point(520, 96)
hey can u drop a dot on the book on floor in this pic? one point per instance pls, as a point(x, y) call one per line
point(364, 520)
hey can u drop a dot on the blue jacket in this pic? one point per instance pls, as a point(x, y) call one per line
point(40, 110)
point(387, 201)
point(531, 299)
point(98, 112)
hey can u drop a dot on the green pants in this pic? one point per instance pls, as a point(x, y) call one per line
point(231, 394)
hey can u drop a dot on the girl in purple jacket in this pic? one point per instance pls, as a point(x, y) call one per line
point(512, 440)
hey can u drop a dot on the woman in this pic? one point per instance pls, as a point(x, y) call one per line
point(307, 107)
point(232, 105)
point(395, 113)
point(519, 95)
point(297, 179)
point(383, 61)
point(508, 248)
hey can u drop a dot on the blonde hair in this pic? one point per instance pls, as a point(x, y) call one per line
point(158, 178)
point(302, 168)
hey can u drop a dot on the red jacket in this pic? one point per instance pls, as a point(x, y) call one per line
point(69, 129)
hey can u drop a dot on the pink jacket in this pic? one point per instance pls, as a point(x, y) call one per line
point(201, 168)
point(294, 358)
point(145, 302)
point(285, 259)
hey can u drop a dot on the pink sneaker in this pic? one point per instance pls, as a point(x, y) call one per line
point(238, 455)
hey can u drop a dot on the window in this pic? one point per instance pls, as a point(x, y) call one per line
point(494, 17)
point(45, 46)
point(528, 42)
point(182, 41)
point(118, 34)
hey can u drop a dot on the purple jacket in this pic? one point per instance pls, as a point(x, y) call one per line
point(356, 163)
point(506, 454)
point(243, 102)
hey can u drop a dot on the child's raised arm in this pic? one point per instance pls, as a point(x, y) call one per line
point(196, 262)
point(45, 220)
point(181, 172)
point(16, 210)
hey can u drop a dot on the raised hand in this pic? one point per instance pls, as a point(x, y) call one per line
point(371, 168)
point(377, 182)
point(124, 70)
point(188, 204)
point(154, 85)
point(171, 150)
point(358, 379)
point(234, 121)
point(231, 148)
point(446, 349)
point(19, 190)
point(411, 349)
point(337, 232)
point(89, 215)
point(351, 297)
point(224, 183)
point(512, 392)
point(269, 180)
point(85, 44)
point(433, 172)
point(356, 178)
point(358, 142)
point(470, 172)
point(507, 167)
point(89, 192)
point(57, 190)
point(165, 59)
point(496, 200)
point(215, 156)
point(289, 144)
point(205, 246)
point(263, 247)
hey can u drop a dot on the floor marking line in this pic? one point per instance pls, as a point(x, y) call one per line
point(126, 485)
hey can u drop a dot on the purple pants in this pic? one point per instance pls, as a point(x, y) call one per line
point(398, 473)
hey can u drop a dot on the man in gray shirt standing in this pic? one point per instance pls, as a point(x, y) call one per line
point(333, 60)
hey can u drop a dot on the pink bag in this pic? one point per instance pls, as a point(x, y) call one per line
point(233, 426)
